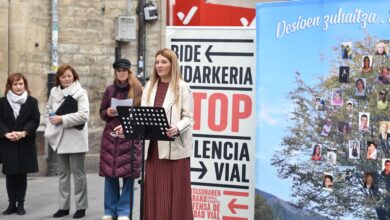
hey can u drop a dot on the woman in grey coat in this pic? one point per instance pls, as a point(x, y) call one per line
point(67, 134)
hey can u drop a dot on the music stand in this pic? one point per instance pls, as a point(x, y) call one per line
point(143, 123)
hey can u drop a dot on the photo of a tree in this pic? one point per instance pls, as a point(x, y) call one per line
point(352, 131)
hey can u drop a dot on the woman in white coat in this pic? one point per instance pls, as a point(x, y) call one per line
point(67, 134)
point(167, 168)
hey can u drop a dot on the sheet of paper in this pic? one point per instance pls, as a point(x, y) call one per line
point(120, 102)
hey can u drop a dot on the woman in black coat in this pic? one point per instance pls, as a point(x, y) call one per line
point(19, 120)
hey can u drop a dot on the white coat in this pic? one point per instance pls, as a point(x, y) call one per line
point(179, 114)
point(64, 137)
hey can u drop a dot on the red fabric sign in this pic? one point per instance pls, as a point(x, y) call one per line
point(200, 13)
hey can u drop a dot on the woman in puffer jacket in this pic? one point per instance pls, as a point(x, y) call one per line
point(119, 158)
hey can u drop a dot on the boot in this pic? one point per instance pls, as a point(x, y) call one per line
point(11, 208)
point(61, 213)
point(79, 213)
point(20, 209)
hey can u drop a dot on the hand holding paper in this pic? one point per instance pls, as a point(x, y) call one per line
point(119, 102)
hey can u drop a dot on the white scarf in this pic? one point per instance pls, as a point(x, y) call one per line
point(16, 101)
point(71, 89)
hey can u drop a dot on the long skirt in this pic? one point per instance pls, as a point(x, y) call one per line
point(167, 188)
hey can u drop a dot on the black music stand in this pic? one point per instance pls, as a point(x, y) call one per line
point(143, 123)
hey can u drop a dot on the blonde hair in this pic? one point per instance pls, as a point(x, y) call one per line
point(135, 90)
point(174, 73)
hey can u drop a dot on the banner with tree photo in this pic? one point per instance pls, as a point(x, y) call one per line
point(323, 91)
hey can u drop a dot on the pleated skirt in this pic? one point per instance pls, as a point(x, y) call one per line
point(167, 188)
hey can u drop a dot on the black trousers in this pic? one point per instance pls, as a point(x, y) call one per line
point(16, 187)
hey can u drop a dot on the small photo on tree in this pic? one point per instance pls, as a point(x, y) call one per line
point(364, 121)
point(316, 155)
point(368, 181)
point(349, 106)
point(384, 130)
point(331, 158)
point(319, 104)
point(383, 77)
point(346, 50)
point(382, 47)
point(344, 126)
point(337, 97)
point(346, 173)
point(326, 127)
point(343, 74)
point(372, 152)
point(383, 103)
point(386, 167)
point(367, 64)
point(327, 181)
point(360, 87)
point(354, 150)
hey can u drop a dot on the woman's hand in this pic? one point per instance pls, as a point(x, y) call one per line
point(111, 111)
point(369, 154)
point(173, 131)
point(56, 119)
point(15, 135)
point(20, 134)
point(11, 136)
point(118, 130)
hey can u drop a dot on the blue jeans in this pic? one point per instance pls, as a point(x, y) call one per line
point(116, 203)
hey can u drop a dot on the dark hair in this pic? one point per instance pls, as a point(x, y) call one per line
point(371, 142)
point(366, 175)
point(387, 68)
point(314, 149)
point(61, 70)
point(363, 116)
point(339, 91)
point(15, 77)
point(329, 177)
point(364, 59)
point(354, 151)
point(387, 161)
point(360, 80)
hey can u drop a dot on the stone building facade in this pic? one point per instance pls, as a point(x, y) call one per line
point(85, 40)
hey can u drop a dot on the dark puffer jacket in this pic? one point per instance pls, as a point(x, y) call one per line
point(115, 158)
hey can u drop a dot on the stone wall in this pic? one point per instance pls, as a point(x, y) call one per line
point(3, 43)
point(86, 41)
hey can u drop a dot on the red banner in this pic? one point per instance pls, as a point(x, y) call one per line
point(200, 13)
